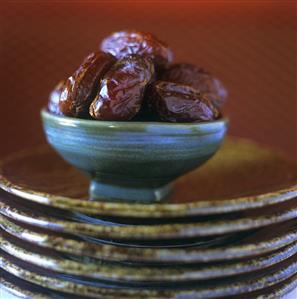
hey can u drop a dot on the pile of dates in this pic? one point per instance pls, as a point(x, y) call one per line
point(132, 78)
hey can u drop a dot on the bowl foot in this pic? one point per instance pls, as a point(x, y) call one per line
point(100, 191)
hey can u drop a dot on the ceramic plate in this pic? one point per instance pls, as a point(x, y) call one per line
point(100, 289)
point(276, 291)
point(242, 175)
point(97, 269)
point(240, 245)
point(19, 288)
point(23, 289)
point(223, 224)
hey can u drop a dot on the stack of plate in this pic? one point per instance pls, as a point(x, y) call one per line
point(228, 230)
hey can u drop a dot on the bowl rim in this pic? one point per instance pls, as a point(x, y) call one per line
point(216, 125)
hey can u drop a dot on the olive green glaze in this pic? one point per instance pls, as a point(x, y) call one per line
point(260, 242)
point(221, 225)
point(20, 291)
point(242, 175)
point(132, 161)
point(273, 292)
point(280, 290)
point(93, 268)
point(241, 284)
point(19, 288)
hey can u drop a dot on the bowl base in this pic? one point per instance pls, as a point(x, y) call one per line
point(101, 191)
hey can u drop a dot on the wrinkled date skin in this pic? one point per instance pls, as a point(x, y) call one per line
point(122, 88)
point(180, 103)
point(191, 75)
point(54, 99)
point(123, 43)
point(80, 88)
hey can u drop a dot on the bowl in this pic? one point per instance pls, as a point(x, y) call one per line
point(132, 161)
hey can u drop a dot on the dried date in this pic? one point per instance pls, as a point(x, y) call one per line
point(123, 43)
point(180, 103)
point(198, 78)
point(80, 88)
point(121, 91)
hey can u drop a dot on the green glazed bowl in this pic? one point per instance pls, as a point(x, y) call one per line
point(132, 161)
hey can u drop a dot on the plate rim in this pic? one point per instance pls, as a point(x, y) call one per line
point(150, 232)
point(173, 210)
point(268, 279)
point(250, 265)
point(154, 210)
point(107, 252)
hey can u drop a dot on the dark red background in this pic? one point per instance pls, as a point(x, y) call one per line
point(250, 45)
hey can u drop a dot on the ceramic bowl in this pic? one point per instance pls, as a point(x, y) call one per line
point(132, 161)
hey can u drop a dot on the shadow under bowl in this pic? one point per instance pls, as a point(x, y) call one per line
point(132, 161)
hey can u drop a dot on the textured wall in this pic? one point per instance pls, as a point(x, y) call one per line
point(250, 45)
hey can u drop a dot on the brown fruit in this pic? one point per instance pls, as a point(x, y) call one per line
point(122, 88)
point(80, 88)
point(123, 43)
point(198, 78)
point(180, 103)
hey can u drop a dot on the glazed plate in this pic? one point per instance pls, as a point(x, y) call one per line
point(242, 175)
point(98, 269)
point(241, 284)
point(20, 288)
point(247, 244)
point(222, 224)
